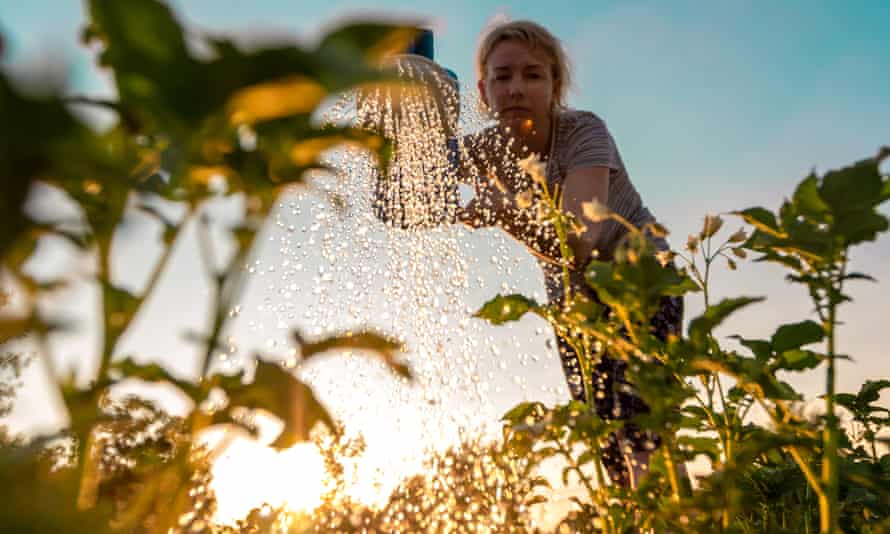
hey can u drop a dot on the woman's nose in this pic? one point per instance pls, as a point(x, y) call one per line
point(515, 90)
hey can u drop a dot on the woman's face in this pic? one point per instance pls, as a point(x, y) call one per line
point(519, 86)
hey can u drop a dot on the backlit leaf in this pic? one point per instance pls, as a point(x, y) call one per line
point(761, 219)
point(792, 336)
point(871, 390)
point(372, 40)
point(702, 325)
point(275, 99)
point(502, 309)
point(152, 372)
point(853, 188)
point(761, 349)
point(807, 199)
point(523, 410)
point(383, 347)
point(13, 327)
point(692, 446)
point(280, 393)
point(799, 360)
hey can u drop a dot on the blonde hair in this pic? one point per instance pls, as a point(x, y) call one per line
point(535, 37)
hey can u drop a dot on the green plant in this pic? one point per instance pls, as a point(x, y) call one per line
point(754, 470)
point(189, 129)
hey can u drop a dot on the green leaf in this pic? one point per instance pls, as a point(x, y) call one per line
point(692, 446)
point(144, 30)
point(796, 335)
point(120, 306)
point(502, 309)
point(696, 413)
point(382, 346)
point(145, 46)
point(761, 349)
point(799, 360)
point(226, 417)
point(701, 326)
point(859, 226)
point(152, 372)
point(634, 289)
point(847, 400)
point(374, 41)
point(587, 457)
point(13, 193)
point(807, 200)
point(275, 99)
point(32, 131)
point(871, 390)
point(753, 376)
point(760, 441)
point(859, 276)
point(854, 188)
point(520, 412)
point(581, 309)
point(13, 327)
point(281, 394)
point(761, 219)
point(783, 259)
point(566, 472)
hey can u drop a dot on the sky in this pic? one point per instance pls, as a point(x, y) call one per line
point(714, 106)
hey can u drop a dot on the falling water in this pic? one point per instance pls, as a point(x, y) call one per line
point(386, 251)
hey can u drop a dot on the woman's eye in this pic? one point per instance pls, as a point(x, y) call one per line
point(501, 78)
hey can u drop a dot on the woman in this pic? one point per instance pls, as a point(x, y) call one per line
point(523, 77)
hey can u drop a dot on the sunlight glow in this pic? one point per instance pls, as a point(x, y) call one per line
point(250, 474)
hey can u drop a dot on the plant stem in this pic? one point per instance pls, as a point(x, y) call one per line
point(728, 443)
point(562, 238)
point(109, 338)
point(672, 472)
point(584, 480)
point(161, 265)
point(828, 502)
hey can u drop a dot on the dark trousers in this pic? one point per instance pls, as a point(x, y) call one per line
point(613, 394)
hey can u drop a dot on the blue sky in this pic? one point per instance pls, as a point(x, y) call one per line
point(714, 105)
point(718, 91)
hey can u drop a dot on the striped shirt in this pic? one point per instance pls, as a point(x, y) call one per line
point(581, 139)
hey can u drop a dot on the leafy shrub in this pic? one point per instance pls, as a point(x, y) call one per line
point(188, 129)
point(798, 474)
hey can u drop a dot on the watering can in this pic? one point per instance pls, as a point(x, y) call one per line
point(399, 201)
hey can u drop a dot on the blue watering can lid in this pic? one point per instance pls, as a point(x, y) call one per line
point(424, 45)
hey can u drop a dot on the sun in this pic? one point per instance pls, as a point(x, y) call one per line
point(249, 474)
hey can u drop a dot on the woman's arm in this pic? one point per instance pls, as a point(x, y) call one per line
point(581, 185)
point(495, 205)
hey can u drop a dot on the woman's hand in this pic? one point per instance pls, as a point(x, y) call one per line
point(493, 205)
